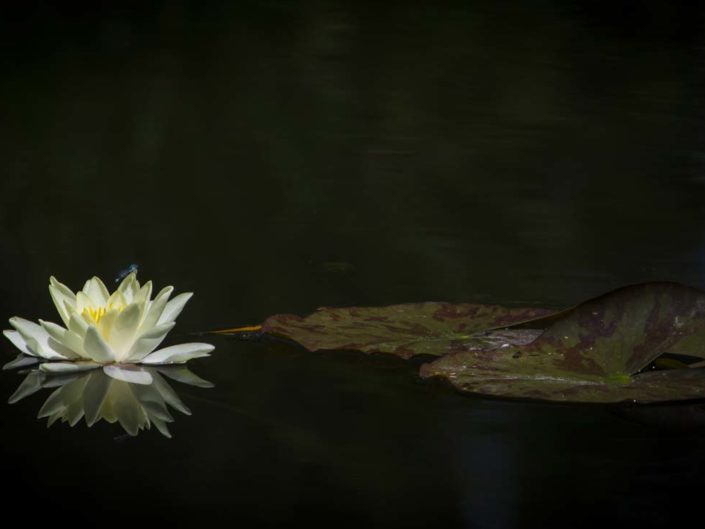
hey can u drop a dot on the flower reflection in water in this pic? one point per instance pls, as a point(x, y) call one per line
point(95, 395)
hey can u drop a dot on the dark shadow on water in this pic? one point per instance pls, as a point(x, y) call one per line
point(273, 157)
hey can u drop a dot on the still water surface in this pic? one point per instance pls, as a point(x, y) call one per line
point(275, 157)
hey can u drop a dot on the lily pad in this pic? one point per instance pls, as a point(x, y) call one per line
point(509, 373)
point(597, 351)
point(404, 330)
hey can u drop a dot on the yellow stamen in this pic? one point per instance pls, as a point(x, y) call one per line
point(94, 313)
point(97, 313)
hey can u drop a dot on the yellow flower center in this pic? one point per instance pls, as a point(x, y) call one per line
point(97, 313)
point(94, 313)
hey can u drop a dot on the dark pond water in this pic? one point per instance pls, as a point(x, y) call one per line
point(278, 156)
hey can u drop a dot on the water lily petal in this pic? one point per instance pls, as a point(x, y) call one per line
point(155, 309)
point(31, 333)
point(149, 341)
point(178, 354)
point(77, 324)
point(62, 297)
point(117, 299)
point(74, 342)
point(22, 360)
point(67, 367)
point(96, 348)
point(64, 351)
point(124, 329)
point(53, 330)
point(96, 290)
point(17, 340)
point(36, 339)
point(129, 287)
point(144, 293)
point(61, 288)
point(174, 307)
point(133, 375)
point(58, 340)
point(103, 288)
point(83, 302)
point(106, 322)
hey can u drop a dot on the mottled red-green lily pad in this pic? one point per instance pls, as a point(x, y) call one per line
point(503, 373)
point(594, 352)
point(624, 330)
point(405, 330)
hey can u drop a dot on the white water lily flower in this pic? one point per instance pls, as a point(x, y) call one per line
point(106, 330)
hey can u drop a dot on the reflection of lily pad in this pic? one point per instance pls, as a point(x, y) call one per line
point(593, 352)
point(403, 330)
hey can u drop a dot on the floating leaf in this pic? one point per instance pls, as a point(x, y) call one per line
point(593, 353)
point(624, 330)
point(508, 373)
point(404, 330)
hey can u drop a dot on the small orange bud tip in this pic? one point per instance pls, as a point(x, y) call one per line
point(236, 330)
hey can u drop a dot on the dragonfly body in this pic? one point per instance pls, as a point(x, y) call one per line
point(126, 272)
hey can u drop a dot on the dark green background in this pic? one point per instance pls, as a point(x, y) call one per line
point(278, 156)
